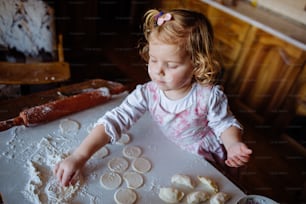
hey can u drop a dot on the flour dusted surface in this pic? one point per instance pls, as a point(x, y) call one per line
point(19, 144)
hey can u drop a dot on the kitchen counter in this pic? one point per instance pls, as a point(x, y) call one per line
point(19, 145)
point(277, 25)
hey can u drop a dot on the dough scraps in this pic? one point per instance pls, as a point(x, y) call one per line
point(69, 127)
point(131, 152)
point(110, 180)
point(133, 180)
point(118, 164)
point(125, 196)
point(141, 165)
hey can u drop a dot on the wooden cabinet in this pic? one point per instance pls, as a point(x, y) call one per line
point(265, 75)
point(230, 34)
point(170, 4)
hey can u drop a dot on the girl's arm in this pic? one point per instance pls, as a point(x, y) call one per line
point(237, 152)
point(67, 170)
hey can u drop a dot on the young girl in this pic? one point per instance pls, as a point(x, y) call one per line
point(182, 97)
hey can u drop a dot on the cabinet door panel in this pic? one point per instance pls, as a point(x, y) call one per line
point(268, 74)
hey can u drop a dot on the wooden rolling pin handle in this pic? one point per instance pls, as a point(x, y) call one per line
point(5, 125)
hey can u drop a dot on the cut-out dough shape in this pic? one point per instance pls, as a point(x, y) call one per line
point(125, 139)
point(133, 180)
point(197, 197)
point(170, 195)
point(118, 164)
point(101, 153)
point(110, 180)
point(182, 180)
point(131, 152)
point(141, 165)
point(125, 196)
point(209, 183)
point(220, 198)
point(69, 127)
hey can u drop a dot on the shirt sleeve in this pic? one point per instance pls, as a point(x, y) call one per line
point(219, 115)
point(121, 118)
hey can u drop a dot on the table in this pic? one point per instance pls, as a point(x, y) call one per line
point(18, 145)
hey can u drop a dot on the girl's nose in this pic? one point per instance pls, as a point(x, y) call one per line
point(159, 70)
point(156, 69)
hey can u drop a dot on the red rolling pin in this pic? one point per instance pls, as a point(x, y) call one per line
point(59, 108)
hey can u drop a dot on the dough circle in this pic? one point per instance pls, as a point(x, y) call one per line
point(69, 127)
point(118, 164)
point(125, 139)
point(133, 180)
point(110, 180)
point(141, 165)
point(125, 196)
point(131, 152)
point(101, 153)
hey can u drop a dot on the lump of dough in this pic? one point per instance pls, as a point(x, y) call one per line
point(110, 180)
point(118, 164)
point(209, 183)
point(141, 165)
point(125, 196)
point(131, 152)
point(219, 198)
point(197, 197)
point(182, 180)
point(133, 179)
point(170, 195)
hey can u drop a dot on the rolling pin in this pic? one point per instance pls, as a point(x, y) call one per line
point(59, 108)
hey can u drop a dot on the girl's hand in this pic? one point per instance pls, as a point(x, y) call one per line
point(67, 170)
point(238, 154)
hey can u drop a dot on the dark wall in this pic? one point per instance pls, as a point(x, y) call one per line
point(86, 25)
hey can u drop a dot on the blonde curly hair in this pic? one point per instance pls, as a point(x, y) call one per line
point(190, 30)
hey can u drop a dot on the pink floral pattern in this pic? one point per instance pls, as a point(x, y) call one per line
point(188, 129)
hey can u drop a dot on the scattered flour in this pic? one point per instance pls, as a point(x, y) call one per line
point(42, 186)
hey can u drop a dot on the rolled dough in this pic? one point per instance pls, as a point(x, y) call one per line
point(118, 164)
point(133, 179)
point(110, 180)
point(125, 196)
point(69, 127)
point(141, 165)
point(125, 139)
point(101, 153)
point(131, 152)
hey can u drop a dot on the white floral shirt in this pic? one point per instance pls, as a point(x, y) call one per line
point(194, 123)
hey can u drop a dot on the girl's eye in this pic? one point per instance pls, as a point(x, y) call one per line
point(153, 60)
point(172, 66)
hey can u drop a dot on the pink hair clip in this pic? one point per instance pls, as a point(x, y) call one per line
point(161, 19)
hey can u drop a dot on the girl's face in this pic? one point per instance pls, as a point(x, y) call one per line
point(171, 68)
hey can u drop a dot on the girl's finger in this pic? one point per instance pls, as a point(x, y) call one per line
point(246, 150)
